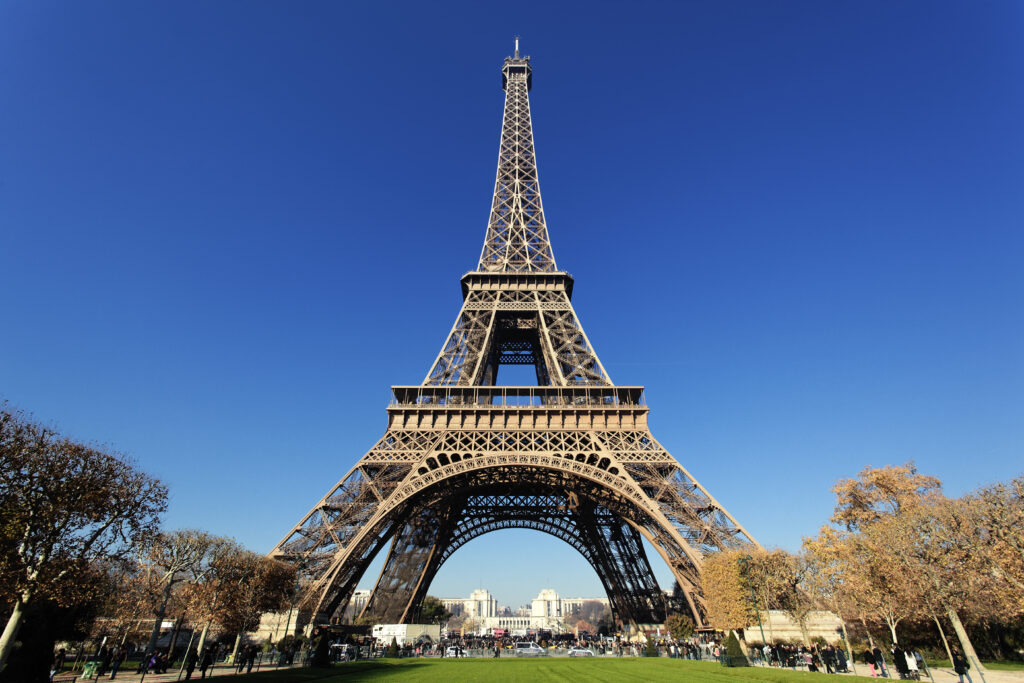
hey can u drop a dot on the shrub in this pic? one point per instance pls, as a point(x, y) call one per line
point(733, 652)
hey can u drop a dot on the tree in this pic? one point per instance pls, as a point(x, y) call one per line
point(879, 492)
point(171, 559)
point(734, 652)
point(63, 506)
point(774, 579)
point(995, 515)
point(433, 611)
point(584, 626)
point(909, 548)
point(727, 599)
point(132, 593)
point(679, 625)
point(225, 567)
point(591, 610)
point(933, 548)
point(261, 585)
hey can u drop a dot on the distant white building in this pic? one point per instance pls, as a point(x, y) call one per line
point(547, 604)
point(546, 611)
point(481, 604)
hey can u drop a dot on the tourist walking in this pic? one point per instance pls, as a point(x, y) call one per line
point(116, 658)
point(869, 659)
point(190, 662)
point(961, 666)
point(880, 662)
point(206, 662)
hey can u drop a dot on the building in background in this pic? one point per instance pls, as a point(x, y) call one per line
point(547, 611)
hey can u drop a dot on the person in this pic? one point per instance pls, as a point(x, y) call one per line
point(190, 662)
point(841, 665)
point(911, 660)
point(869, 658)
point(497, 651)
point(808, 657)
point(899, 662)
point(116, 658)
point(104, 658)
point(250, 658)
point(58, 663)
point(828, 658)
point(206, 663)
point(880, 662)
point(961, 666)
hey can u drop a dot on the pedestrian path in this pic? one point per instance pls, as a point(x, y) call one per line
point(218, 670)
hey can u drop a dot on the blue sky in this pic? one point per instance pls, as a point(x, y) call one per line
point(227, 228)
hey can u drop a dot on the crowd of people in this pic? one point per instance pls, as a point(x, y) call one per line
point(109, 660)
point(827, 658)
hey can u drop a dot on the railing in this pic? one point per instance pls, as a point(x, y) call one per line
point(582, 395)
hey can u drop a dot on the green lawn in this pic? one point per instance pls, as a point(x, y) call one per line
point(541, 669)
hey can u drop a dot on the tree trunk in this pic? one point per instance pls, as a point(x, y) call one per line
point(846, 639)
point(892, 629)
point(871, 641)
point(803, 630)
point(174, 634)
point(202, 638)
point(965, 642)
point(234, 652)
point(128, 628)
point(11, 630)
point(942, 634)
point(155, 635)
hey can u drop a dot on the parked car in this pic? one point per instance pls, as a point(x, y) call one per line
point(455, 651)
point(528, 650)
point(580, 652)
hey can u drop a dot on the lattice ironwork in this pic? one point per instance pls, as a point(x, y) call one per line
point(517, 235)
point(572, 457)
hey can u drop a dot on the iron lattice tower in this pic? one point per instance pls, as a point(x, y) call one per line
point(572, 457)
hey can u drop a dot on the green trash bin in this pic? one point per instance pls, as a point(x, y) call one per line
point(89, 669)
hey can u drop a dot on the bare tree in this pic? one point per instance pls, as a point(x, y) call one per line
point(64, 506)
point(172, 559)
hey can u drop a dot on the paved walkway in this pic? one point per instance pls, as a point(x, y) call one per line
point(218, 670)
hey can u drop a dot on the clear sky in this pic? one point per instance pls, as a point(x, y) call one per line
point(226, 228)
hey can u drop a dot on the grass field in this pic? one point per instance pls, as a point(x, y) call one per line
point(541, 669)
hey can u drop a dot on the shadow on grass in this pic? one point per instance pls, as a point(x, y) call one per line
point(375, 669)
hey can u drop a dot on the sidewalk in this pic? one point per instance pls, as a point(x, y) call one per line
point(219, 670)
point(990, 676)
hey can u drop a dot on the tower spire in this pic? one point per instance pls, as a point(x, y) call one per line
point(517, 235)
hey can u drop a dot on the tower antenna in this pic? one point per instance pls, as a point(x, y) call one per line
point(517, 47)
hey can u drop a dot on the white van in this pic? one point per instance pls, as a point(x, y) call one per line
point(528, 650)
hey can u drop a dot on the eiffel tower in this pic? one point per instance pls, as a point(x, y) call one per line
point(572, 457)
